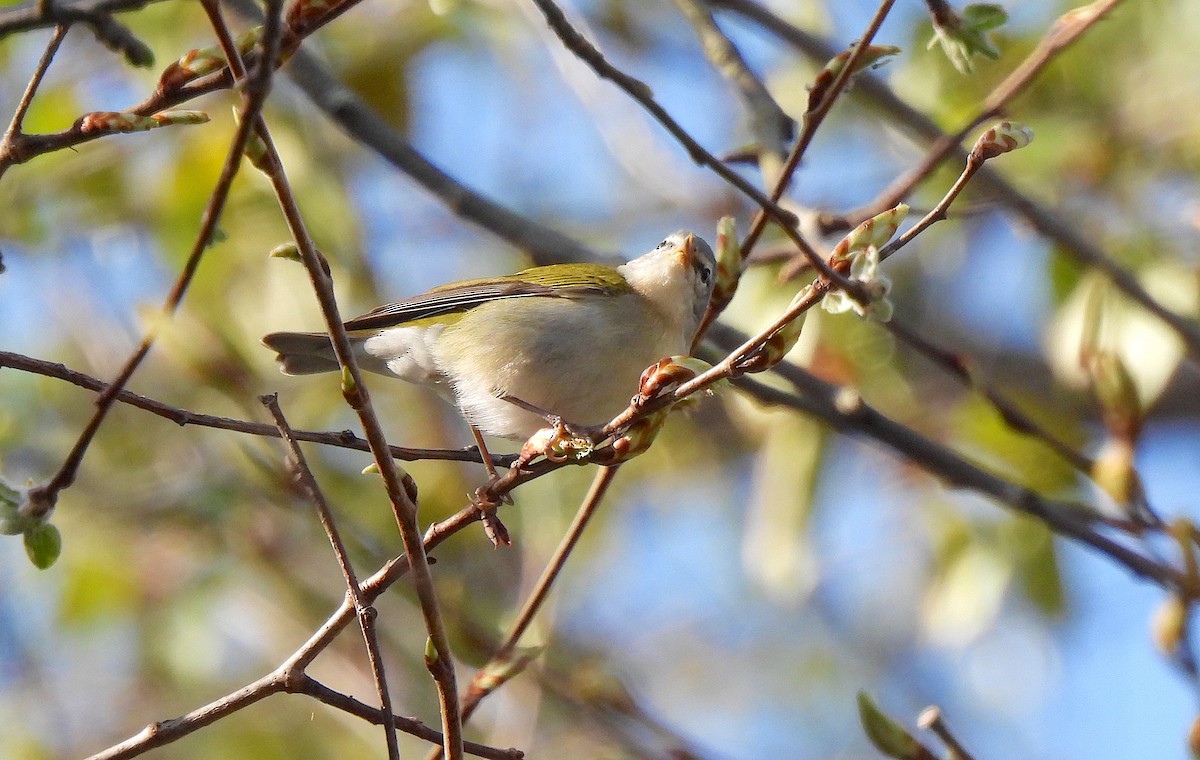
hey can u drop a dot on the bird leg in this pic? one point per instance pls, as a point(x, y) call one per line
point(555, 421)
point(492, 527)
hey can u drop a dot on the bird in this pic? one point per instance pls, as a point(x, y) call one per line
point(563, 342)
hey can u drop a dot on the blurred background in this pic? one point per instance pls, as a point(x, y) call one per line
point(753, 570)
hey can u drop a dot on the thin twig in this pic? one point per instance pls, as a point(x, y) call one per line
point(354, 389)
point(545, 245)
point(845, 411)
point(35, 81)
point(811, 122)
point(164, 732)
point(641, 93)
point(931, 719)
point(31, 15)
point(319, 691)
point(814, 118)
point(1066, 30)
point(769, 124)
point(1049, 222)
point(44, 497)
point(959, 367)
point(403, 509)
point(366, 614)
point(29, 146)
point(289, 676)
point(343, 439)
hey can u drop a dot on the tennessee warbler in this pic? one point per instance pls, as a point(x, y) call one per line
point(568, 340)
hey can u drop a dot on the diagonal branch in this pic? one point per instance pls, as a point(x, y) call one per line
point(641, 93)
point(343, 439)
point(366, 614)
point(845, 411)
point(35, 81)
point(815, 117)
point(404, 509)
point(44, 497)
point(769, 124)
point(1046, 221)
point(1065, 31)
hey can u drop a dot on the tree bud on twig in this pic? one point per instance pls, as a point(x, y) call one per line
point(1168, 624)
point(729, 263)
point(873, 233)
point(667, 374)
point(1116, 392)
point(1003, 138)
point(636, 438)
point(102, 122)
point(874, 56)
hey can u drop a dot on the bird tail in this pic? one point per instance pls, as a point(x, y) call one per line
point(301, 353)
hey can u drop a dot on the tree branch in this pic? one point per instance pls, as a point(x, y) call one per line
point(366, 614)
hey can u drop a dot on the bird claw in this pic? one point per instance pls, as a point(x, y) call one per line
point(561, 442)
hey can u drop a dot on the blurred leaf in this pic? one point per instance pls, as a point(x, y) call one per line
point(1036, 563)
point(1148, 349)
point(966, 595)
point(777, 551)
point(1031, 463)
point(1168, 624)
point(888, 736)
point(43, 544)
point(964, 36)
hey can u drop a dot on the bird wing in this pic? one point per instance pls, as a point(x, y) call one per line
point(555, 281)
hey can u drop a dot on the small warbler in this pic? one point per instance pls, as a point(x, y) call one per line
point(565, 340)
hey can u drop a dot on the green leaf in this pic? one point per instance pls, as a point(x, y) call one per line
point(888, 736)
point(12, 522)
point(288, 250)
point(43, 544)
point(983, 17)
point(964, 36)
point(9, 495)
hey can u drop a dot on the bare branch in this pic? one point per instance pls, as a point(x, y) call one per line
point(771, 127)
point(45, 496)
point(348, 704)
point(365, 613)
point(1046, 221)
point(845, 411)
point(31, 15)
point(35, 81)
point(164, 732)
point(343, 439)
point(403, 508)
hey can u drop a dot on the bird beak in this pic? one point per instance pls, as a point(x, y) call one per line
point(687, 250)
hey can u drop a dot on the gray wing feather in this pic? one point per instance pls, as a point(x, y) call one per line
point(455, 299)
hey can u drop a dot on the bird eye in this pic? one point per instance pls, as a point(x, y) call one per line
point(663, 244)
point(705, 275)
